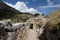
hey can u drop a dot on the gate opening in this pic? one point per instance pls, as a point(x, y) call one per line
point(31, 26)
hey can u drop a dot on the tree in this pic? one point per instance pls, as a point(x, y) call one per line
point(42, 14)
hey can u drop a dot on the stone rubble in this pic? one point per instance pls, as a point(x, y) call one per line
point(32, 29)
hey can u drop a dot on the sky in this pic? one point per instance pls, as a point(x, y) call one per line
point(34, 6)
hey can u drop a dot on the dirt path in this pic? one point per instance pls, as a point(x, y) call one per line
point(32, 35)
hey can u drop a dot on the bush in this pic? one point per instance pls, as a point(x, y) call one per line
point(36, 14)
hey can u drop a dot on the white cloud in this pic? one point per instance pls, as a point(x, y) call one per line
point(50, 6)
point(50, 2)
point(9, 4)
point(21, 6)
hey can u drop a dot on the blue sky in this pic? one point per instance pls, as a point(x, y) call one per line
point(42, 6)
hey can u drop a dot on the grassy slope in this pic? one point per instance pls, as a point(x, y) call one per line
point(55, 19)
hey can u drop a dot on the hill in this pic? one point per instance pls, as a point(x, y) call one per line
point(7, 12)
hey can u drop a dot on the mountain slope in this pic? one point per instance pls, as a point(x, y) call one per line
point(7, 12)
